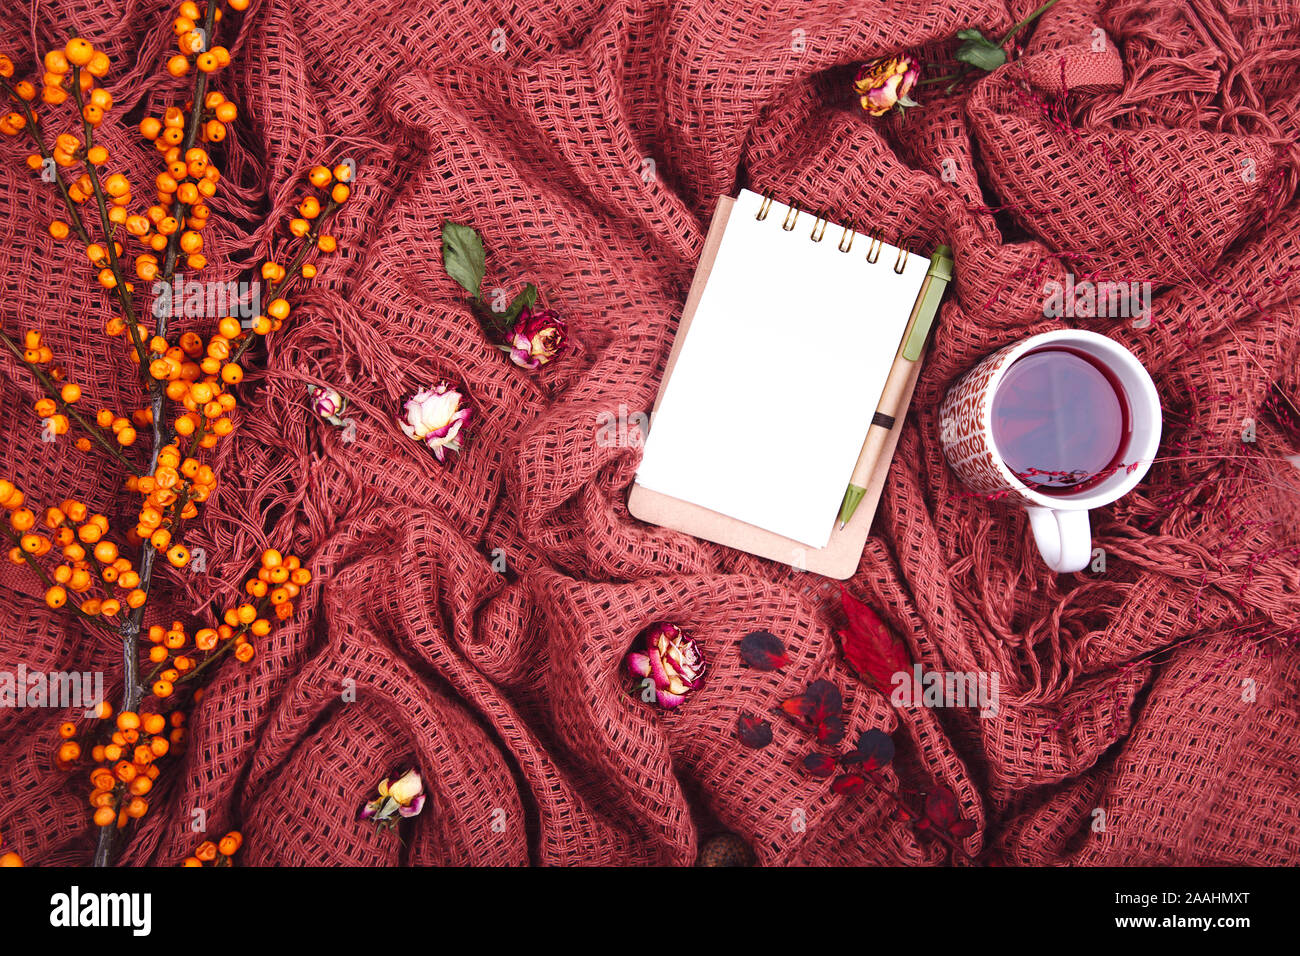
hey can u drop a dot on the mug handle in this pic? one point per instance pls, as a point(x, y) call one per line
point(1063, 537)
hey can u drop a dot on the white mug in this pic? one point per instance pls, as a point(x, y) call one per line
point(1059, 521)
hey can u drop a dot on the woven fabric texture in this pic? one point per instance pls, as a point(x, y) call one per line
point(1134, 141)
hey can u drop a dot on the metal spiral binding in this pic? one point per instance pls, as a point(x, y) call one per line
point(793, 210)
point(819, 231)
point(901, 262)
point(816, 234)
point(877, 243)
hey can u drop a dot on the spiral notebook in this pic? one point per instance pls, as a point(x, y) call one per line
point(793, 327)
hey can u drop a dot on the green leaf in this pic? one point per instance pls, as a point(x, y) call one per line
point(979, 51)
point(524, 300)
point(463, 256)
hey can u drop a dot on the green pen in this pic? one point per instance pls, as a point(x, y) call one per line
point(918, 329)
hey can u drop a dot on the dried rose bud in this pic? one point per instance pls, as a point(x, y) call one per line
point(885, 83)
point(327, 403)
point(436, 416)
point(403, 797)
point(673, 661)
point(537, 338)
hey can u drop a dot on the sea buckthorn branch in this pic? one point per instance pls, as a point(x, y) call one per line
point(118, 282)
point(46, 158)
point(189, 12)
point(17, 549)
point(197, 374)
point(72, 527)
point(306, 226)
point(117, 797)
point(56, 395)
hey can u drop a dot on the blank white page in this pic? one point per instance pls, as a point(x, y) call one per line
point(780, 373)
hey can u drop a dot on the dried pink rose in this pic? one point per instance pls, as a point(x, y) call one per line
point(436, 417)
point(885, 83)
point(538, 337)
point(672, 660)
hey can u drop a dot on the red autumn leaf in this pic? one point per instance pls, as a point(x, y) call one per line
point(763, 650)
point(819, 764)
point(849, 784)
point(874, 651)
point(753, 732)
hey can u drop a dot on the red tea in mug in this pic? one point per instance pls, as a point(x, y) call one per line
point(1061, 420)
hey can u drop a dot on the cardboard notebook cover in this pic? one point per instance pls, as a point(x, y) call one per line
point(843, 552)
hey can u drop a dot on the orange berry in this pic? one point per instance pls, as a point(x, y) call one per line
point(69, 751)
point(78, 51)
point(105, 816)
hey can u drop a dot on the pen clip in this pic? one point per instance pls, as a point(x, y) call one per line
point(936, 281)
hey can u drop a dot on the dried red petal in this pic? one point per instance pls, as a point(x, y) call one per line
point(819, 764)
point(763, 650)
point(753, 732)
point(944, 813)
point(874, 749)
point(815, 705)
point(849, 784)
point(830, 731)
